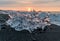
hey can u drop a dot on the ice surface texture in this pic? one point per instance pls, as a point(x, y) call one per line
point(28, 22)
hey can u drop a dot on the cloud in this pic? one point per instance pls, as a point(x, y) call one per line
point(26, 3)
point(7, 3)
point(46, 3)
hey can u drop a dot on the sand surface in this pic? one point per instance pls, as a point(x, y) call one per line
point(51, 34)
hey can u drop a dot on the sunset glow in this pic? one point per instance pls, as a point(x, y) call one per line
point(28, 5)
point(29, 9)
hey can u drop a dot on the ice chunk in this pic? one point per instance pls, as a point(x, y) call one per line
point(27, 22)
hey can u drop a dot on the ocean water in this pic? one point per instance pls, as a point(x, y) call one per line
point(54, 18)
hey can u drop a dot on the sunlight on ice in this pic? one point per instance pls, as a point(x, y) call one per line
point(27, 22)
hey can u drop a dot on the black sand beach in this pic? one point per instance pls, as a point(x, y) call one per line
point(52, 34)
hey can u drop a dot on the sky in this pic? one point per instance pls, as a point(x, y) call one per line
point(43, 5)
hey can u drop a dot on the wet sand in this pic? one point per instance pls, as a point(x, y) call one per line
point(51, 34)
